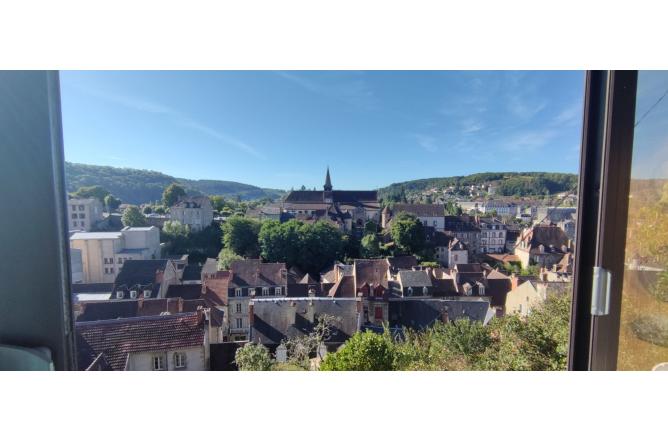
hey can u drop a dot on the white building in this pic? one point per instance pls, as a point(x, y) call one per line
point(492, 236)
point(196, 212)
point(502, 209)
point(83, 214)
point(430, 215)
point(103, 253)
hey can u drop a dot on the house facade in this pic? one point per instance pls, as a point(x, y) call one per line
point(463, 228)
point(83, 214)
point(148, 343)
point(432, 215)
point(492, 236)
point(542, 245)
point(196, 212)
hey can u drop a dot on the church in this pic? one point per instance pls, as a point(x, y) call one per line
point(347, 209)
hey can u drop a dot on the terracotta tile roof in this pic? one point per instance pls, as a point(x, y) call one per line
point(116, 339)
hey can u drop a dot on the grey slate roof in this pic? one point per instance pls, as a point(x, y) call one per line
point(277, 319)
point(414, 278)
point(423, 313)
point(139, 273)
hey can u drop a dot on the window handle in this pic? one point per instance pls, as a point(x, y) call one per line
point(600, 295)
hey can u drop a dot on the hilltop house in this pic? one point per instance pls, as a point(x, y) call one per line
point(196, 212)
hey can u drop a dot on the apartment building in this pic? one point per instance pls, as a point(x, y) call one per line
point(83, 214)
point(103, 253)
point(492, 236)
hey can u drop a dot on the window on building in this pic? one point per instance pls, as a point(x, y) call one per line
point(74, 223)
point(133, 294)
point(147, 293)
point(425, 290)
point(240, 323)
point(159, 363)
point(179, 360)
point(237, 292)
point(82, 215)
point(409, 291)
point(378, 313)
point(278, 291)
point(120, 260)
point(74, 216)
point(265, 291)
point(120, 294)
point(238, 308)
point(81, 207)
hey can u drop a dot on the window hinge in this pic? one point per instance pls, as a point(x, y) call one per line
point(600, 295)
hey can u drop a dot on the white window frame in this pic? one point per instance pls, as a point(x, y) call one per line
point(265, 291)
point(237, 292)
point(278, 290)
point(238, 308)
point(425, 290)
point(120, 294)
point(410, 291)
point(179, 360)
point(147, 293)
point(133, 294)
point(159, 362)
point(239, 323)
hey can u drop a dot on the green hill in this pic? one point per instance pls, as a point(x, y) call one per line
point(507, 184)
point(142, 186)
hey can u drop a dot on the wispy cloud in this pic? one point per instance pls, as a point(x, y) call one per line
point(176, 117)
point(428, 143)
point(569, 115)
point(471, 125)
point(529, 140)
point(346, 87)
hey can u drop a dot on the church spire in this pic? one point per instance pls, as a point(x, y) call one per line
point(328, 182)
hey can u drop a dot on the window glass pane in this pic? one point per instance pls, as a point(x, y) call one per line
point(643, 342)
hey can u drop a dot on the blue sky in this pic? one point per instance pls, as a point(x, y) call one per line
point(281, 129)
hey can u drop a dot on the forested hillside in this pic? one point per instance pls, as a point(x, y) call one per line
point(142, 186)
point(506, 184)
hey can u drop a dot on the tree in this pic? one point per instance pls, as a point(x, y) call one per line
point(240, 235)
point(226, 257)
point(253, 357)
point(96, 192)
point(370, 227)
point(408, 233)
point(172, 194)
point(370, 246)
point(176, 236)
point(364, 351)
point(133, 217)
point(111, 202)
point(660, 287)
point(159, 210)
point(308, 246)
point(147, 209)
point(300, 348)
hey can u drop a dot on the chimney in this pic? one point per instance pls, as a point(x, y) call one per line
point(251, 313)
point(159, 276)
point(514, 281)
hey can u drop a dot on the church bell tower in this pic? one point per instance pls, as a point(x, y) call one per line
point(327, 194)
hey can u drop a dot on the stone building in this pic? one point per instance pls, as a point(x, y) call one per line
point(196, 212)
point(83, 214)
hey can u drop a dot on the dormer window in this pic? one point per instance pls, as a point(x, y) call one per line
point(265, 291)
point(481, 290)
point(120, 294)
point(133, 294)
point(410, 291)
point(237, 292)
point(425, 291)
point(147, 293)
